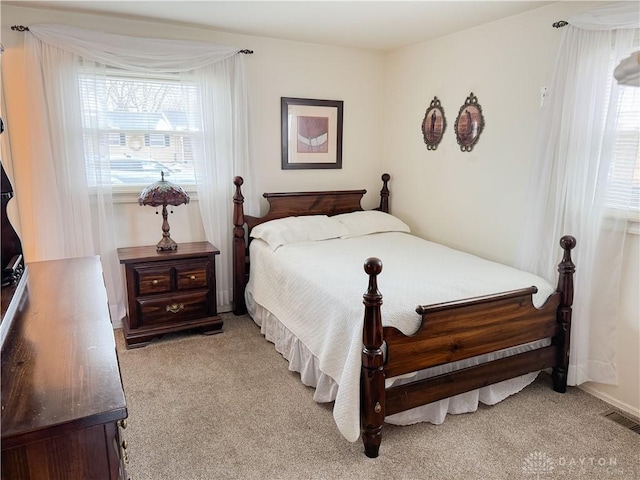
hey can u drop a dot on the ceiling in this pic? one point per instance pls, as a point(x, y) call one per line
point(379, 25)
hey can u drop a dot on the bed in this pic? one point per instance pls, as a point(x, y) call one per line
point(480, 331)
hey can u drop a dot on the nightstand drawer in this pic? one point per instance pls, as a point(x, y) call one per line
point(192, 275)
point(153, 280)
point(174, 308)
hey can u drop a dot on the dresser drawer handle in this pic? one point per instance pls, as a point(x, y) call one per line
point(155, 282)
point(125, 454)
point(122, 423)
point(175, 308)
point(192, 277)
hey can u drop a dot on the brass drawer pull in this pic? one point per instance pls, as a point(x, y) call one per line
point(122, 423)
point(155, 282)
point(175, 308)
point(125, 454)
point(192, 277)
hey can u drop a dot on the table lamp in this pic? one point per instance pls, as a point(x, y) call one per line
point(164, 193)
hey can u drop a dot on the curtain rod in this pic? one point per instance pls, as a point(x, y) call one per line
point(560, 24)
point(22, 28)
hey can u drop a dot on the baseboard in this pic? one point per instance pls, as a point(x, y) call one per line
point(610, 400)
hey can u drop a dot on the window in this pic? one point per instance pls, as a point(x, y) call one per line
point(146, 125)
point(623, 194)
point(155, 140)
point(117, 139)
point(625, 168)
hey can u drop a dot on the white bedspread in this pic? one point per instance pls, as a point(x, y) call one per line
point(315, 290)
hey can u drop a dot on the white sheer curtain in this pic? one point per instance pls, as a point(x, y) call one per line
point(573, 177)
point(225, 154)
point(74, 217)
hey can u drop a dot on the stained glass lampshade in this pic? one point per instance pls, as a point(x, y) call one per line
point(164, 193)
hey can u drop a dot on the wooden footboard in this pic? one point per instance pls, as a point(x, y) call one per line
point(455, 331)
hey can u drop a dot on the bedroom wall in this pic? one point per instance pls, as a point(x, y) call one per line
point(472, 201)
point(276, 69)
point(475, 201)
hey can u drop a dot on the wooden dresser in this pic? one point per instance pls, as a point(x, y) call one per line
point(63, 405)
point(169, 291)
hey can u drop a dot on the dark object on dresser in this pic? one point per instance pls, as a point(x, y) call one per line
point(11, 256)
point(63, 404)
point(169, 291)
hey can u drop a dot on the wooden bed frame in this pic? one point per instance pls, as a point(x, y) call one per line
point(449, 331)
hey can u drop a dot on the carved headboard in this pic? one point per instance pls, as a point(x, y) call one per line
point(286, 205)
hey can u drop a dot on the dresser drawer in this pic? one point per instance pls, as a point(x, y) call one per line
point(153, 279)
point(192, 275)
point(173, 308)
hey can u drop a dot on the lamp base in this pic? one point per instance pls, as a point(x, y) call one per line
point(166, 244)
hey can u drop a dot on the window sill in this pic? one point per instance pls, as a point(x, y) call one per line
point(633, 222)
point(632, 217)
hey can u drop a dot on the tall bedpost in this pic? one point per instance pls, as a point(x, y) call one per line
point(372, 393)
point(566, 269)
point(384, 193)
point(239, 250)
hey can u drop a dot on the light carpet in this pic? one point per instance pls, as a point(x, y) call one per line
point(225, 406)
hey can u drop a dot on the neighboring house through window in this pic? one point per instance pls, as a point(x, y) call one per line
point(147, 125)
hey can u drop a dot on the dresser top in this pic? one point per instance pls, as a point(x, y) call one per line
point(59, 363)
point(150, 254)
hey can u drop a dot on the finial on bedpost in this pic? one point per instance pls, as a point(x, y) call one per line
point(384, 193)
point(372, 400)
point(238, 181)
point(566, 269)
point(239, 250)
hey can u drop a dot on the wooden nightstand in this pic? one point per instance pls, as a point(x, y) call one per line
point(169, 291)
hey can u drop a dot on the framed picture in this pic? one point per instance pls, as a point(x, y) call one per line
point(311, 133)
point(469, 124)
point(433, 124)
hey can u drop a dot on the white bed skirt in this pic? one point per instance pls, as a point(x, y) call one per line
point(303, 361)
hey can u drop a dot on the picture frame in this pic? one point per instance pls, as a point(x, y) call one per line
point(469, 123)
point(311, 133)
point(434, 124)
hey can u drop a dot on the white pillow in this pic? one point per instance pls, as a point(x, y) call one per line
point(298, 229)
point(370, 221)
